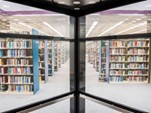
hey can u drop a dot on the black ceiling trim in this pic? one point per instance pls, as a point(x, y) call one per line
point(104, 5)
point(69, 10)
point(47, 5)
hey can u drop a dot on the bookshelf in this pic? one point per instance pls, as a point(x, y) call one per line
point(129, 61)
point(50, 58)
point(102, 60)
point(64, 52)
point(57, 55)
point(91, 53)
point(43, 61)
point(18, 70)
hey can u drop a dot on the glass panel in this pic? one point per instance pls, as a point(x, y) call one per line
point(119, 70)
point(130, 19)
point(32, 70)
point(60, 107)
point(21, 18)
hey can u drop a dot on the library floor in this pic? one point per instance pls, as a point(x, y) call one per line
point(134, 95)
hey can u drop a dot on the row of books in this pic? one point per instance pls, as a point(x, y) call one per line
point(15, 44)
point(117, 58)
point(117, 51)
point(20, 88)
point(137, 51)
point(103, 49)
point(20, 79)
point(138, 58)
point(16, 53)
point(138, 43)
point(136, 65)
point(136, 72)
point(19, 70)
point(117, 44)
point(17, 62)
point(128, 78)
point(3, 79)
point(117, 65)
point(117, 72)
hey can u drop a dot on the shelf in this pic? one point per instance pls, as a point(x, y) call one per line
point(132, 82)
point(18, 83)
point(128, 68)
point(16, 74)
point(118, 47)
point(16, 57)
point(15, 92)
point(143, 75)
point(16, 65)
point(138, 47)
point(14, 48)
point(137, 54)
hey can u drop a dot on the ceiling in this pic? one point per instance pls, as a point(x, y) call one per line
point(24, 18)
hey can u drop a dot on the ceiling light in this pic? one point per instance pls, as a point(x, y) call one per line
point(138, 19)
point(92, 2)
point(32, 28)
point(14, 28)
point(76, 8)
point(16, 19)
point(131, 28)
point(76, 2)
point(48, 25)
point(116, 25)
point(91, 28)
point(140, 31)
point(61, 2)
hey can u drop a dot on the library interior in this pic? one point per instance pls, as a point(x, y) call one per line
point(33, 70)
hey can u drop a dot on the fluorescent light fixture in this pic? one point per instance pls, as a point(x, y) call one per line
point(76, 2)
point(138, 19)
point(131, 28)
point(140, 31)
point(116, 25)
point(91, 28)
point(23, 24)
point(76, 8)
point(48, 25)
point(14, 28)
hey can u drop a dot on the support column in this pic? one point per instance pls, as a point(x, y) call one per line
point(149, 31)
point(77, 64)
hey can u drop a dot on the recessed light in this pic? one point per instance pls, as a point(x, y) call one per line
point(76, 8)
point(61, 2)
point(92, 2)
point(76, 2)
point(16, 19)
point(138, 19)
